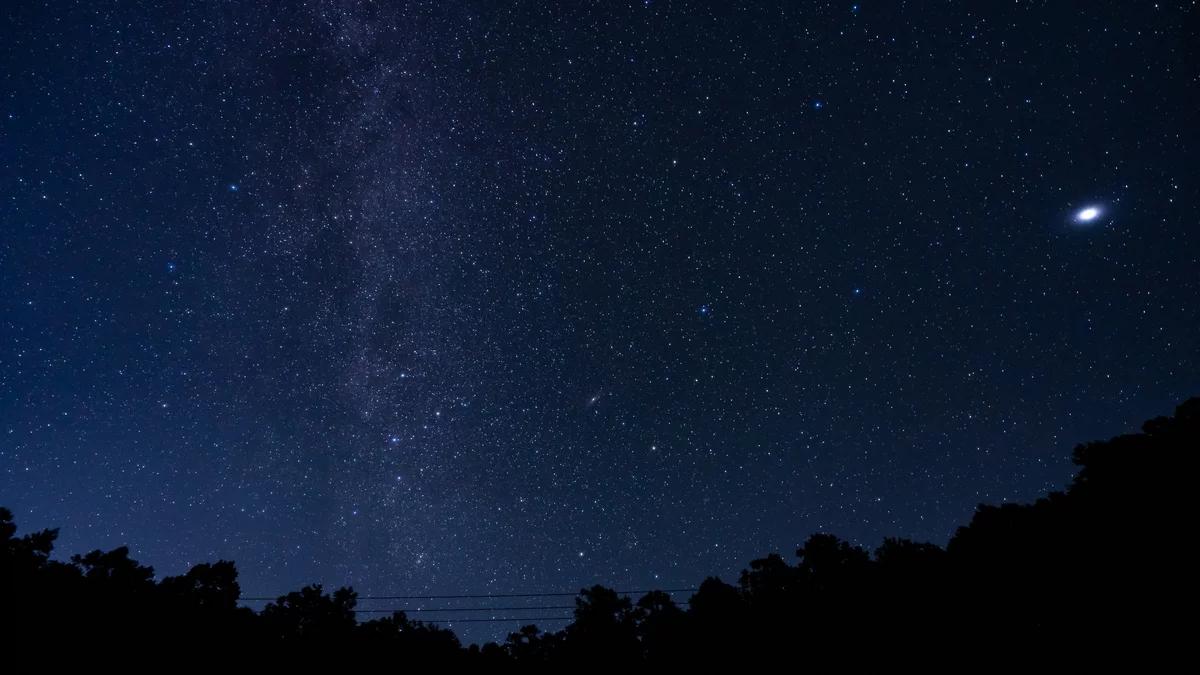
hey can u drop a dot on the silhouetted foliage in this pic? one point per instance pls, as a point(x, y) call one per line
point(1088, 568)
point(661, 627)
point(309, 614)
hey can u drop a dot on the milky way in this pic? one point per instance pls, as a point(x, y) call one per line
point(503, 298)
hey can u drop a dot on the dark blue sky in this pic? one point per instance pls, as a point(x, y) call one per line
point(470, 298)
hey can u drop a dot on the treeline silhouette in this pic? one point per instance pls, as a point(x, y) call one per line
point(1097, 567)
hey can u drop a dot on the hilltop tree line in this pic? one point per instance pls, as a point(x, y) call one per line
point(1098, 566)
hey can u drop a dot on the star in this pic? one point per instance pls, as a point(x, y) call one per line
point(1088, 214)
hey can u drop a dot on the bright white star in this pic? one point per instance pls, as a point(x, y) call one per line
point(1088, 214)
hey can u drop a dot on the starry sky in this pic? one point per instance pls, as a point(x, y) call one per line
point(492, 297)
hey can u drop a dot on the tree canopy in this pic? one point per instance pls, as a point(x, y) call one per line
point(1091, 567)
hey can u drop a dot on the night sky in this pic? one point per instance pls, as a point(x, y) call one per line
point(487, 298)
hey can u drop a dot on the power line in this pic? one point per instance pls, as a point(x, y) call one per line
point(482, 596)
point(511, 618)
point(465, 609)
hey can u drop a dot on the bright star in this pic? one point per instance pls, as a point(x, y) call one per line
point(1087, 215)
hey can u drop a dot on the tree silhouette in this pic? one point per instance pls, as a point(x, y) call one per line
point(661, 627)
point(311, 614)
point(1094, 568)
point(605, 628)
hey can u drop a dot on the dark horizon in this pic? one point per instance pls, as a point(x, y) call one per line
point(1079, 573)
point(439, 298)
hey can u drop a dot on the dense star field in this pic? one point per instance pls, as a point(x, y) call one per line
point(494, 298)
